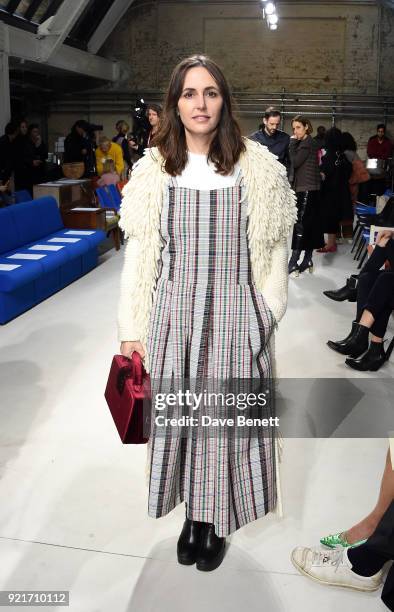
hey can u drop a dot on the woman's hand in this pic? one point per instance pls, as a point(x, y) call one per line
point(127, 348)
point(383, 237)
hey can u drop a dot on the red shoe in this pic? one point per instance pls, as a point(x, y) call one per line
point(327, 249)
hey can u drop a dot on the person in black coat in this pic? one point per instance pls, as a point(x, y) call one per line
point(34, 158)
point(78, 146)
point(269, 135)
point(336, 171)
point(305, 179)
point(375, 303)
point(19, 146)
point(7, 159)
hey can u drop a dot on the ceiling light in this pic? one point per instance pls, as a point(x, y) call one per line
point(273, 19)
point(273, 26)
point(269, 8)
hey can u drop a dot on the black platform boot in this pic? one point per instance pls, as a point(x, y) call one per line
point(348, 292)
point(307, 263)
point(373, 359)
point(293, 263)
point(189, 542)
point(212, 549)
point(355, 344)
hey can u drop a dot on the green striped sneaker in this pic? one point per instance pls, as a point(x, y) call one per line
point(339, 539)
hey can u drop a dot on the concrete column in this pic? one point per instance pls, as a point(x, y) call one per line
point(5, 100)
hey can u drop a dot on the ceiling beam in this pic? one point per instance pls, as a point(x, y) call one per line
point(108, 24)
point(24, 45)
point(53, 32)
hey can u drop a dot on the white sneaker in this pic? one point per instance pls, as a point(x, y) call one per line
point(332, 567)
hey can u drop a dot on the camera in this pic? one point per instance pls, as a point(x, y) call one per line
point(141, 125)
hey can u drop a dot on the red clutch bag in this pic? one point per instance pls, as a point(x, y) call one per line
point(128, 397)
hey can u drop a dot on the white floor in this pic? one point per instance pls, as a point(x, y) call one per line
point(73, 499)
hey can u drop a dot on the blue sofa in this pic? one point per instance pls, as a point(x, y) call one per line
point(38, 255)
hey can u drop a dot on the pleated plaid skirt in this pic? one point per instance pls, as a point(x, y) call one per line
point(208, 324)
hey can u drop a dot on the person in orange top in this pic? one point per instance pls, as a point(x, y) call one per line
point(109, 150)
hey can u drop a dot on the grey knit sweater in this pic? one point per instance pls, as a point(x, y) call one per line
point(305, 175)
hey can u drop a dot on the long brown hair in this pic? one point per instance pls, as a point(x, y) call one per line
point(227, 144)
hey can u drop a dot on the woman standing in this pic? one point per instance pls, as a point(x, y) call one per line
point(122, 140)
point(359, 174)
point(153, 111)
point(305, 180)
point(336, 171)
point(208, 214)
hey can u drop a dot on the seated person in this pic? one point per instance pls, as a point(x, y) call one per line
point(109, 176)
point(349, 290)
point(109, 150)
point(359, 568)
point(375, 303)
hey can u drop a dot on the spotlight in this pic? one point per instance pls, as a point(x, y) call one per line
point(273, 19)
point(273, 26)
point(269, 8)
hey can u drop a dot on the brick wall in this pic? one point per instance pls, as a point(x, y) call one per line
point(318, 47)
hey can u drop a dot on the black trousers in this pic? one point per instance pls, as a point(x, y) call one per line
point(375, 292)
point(308, 231)
point(380, 546)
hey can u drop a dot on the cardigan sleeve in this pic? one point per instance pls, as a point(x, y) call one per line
point(299, 151)
point(119, 163)
point(99, 161)
point(127, 329)
point(275, 286)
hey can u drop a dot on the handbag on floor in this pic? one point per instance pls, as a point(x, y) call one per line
point(129, 399)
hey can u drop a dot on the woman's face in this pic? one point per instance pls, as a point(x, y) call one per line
point(23, 128)
point(200, 103)
point(105, 146)
point(153, 117)
point(300, 131)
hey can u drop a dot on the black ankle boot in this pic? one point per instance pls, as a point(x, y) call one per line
point(293, 263)
point(348, 292)
point(189, 542)
point(373, 359)
point(211, 551)
point(306, 264)
point(335, 344)
point(355, 344)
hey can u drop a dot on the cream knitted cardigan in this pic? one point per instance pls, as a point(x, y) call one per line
point(271, 214)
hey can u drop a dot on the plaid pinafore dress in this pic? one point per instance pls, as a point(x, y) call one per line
point(208, 321)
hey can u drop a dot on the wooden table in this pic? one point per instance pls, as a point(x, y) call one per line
point(85, 218)
point(67, 193)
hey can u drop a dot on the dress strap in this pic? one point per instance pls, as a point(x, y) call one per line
point(239, 178)
point(173, 182)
